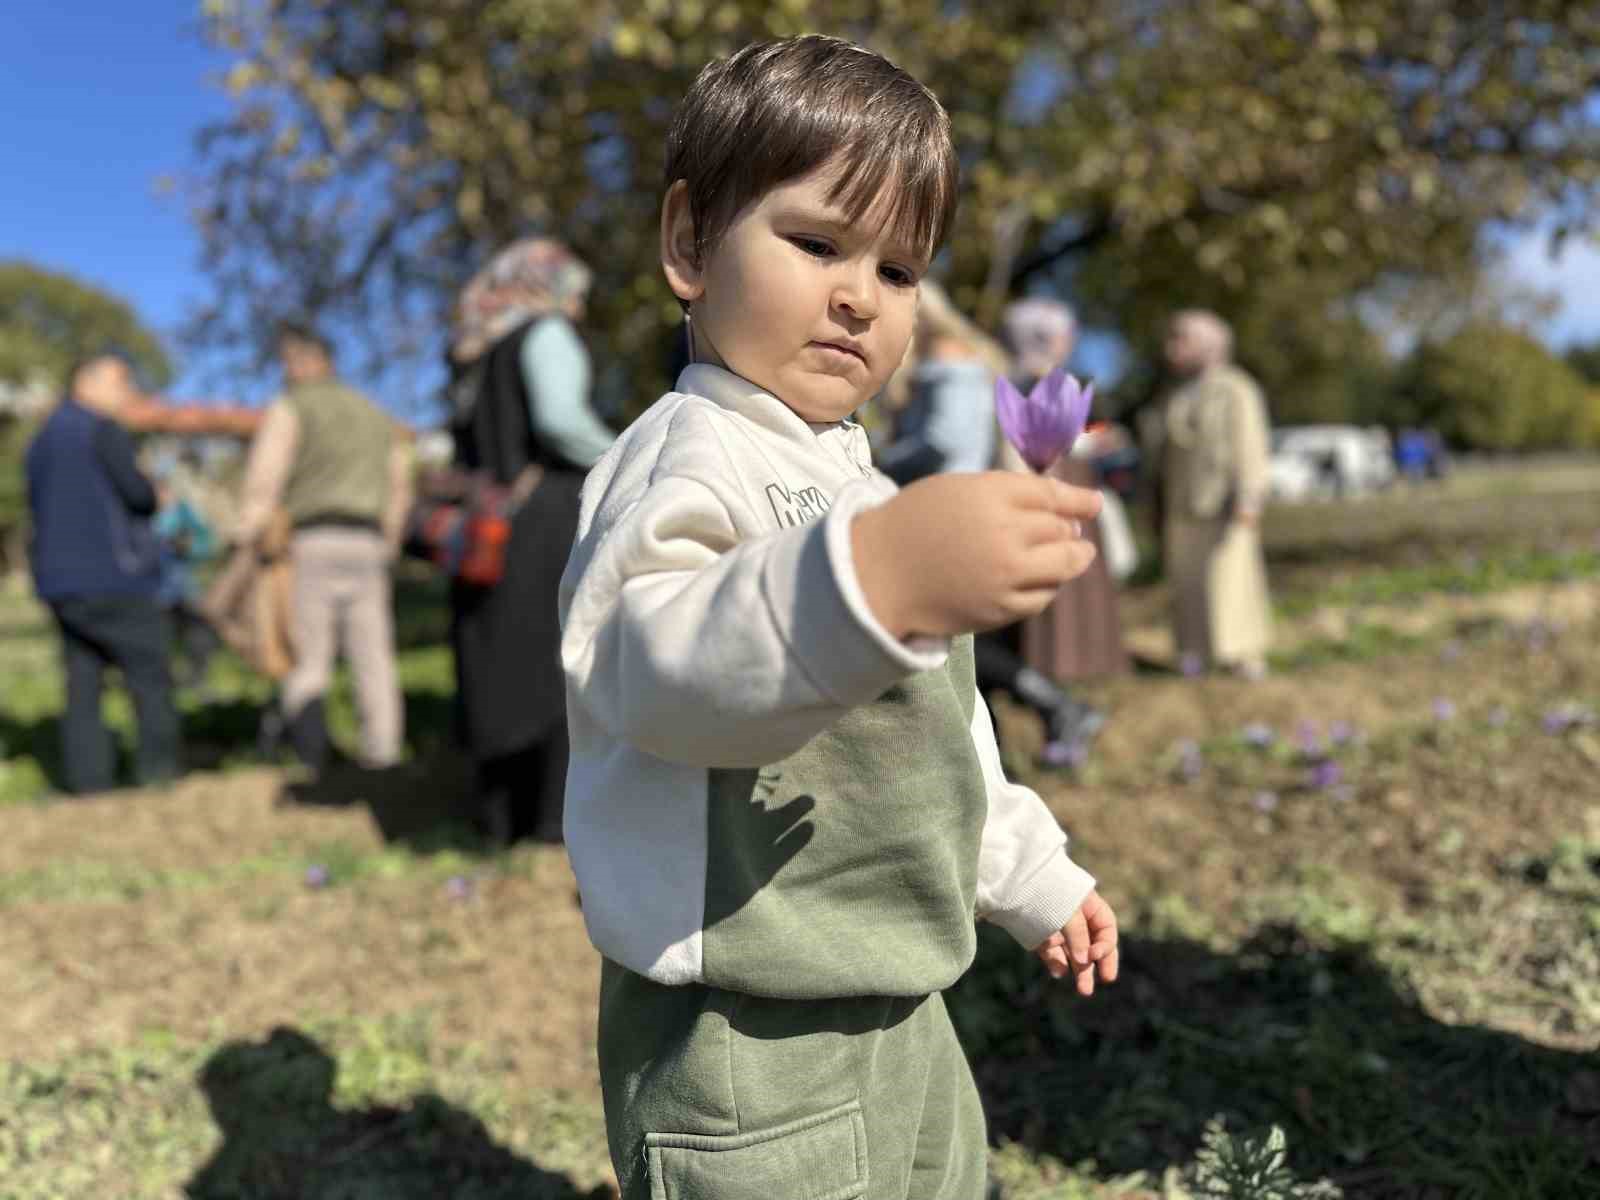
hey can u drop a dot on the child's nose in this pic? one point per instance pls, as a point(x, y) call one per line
point(857, 294)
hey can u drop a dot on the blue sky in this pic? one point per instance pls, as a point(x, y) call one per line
point(103, 97)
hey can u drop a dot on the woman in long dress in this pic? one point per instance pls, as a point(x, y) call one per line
point(520, 399)
point(1080, 635)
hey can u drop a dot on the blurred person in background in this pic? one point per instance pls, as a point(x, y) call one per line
point(339, 467)
point(96, 565)
point(1080, 635)
point(943, 396)
point(1209, 440)
point(185, 540)
point(521, 416)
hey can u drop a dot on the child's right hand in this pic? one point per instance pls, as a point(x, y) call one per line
point(961, 553)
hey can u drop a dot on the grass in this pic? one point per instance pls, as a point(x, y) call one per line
point(1400, 970)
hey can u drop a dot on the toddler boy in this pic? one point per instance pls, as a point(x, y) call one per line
point(784, 803)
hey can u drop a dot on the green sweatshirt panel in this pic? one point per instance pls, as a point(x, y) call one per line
point(850, 867)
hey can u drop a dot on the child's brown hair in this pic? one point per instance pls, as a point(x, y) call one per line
point(778, 110)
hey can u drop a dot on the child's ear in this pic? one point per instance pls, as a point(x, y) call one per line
point(678, 258)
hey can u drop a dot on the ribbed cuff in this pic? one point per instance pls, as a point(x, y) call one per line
point(1046, 902)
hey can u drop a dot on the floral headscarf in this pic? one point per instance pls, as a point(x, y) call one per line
point(529, 278)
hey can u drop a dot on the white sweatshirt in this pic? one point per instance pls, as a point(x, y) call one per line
point(767, 792)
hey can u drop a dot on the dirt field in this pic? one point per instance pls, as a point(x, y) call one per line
point(1361, 901)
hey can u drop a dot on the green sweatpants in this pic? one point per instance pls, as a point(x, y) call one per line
point(714, 1095)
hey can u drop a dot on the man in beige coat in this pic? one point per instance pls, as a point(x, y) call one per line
point(1208, 439)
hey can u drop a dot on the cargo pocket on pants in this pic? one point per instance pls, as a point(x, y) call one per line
point(823, 1157)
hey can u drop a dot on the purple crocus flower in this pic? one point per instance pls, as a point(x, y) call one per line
point(1341, 733)
point(1043, 424)
point(458, 887)
point(316, 876)
point(1308, 738)
point(1326, 775)
point(1258, 735)
point(1444, 710)
point(1265, 802)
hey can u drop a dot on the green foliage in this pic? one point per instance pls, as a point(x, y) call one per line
point(1264, 158)
point(1585, 360)
point(1490, 387)
point(1244, 1168)
point(48, 319)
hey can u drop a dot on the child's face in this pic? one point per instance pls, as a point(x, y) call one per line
point(801, 302)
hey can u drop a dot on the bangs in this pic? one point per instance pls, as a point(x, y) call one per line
point(899, 168)
point(781, 110)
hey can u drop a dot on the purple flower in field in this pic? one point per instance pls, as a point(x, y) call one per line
point(1341, 733)
point(1567, 716)
point(1043, 424)
point(1326, 775)
point(1258, 734)
point(1444, 710)
point(1498, 717)
point(1308, 738)
point(1071, 754)
point(1190, 761)
point(458, 887)
point(1191, 665)
point(316, 876)
point(1265, 802)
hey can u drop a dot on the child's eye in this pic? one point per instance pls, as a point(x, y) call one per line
point(898, 276)
point(813, 246)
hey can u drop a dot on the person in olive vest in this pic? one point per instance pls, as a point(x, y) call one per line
point(97, 566)
point(338, 465)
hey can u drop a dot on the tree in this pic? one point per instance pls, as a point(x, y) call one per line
point(1140, 154)
point(47, 320)
point(1492, 387)
point(1585, 360)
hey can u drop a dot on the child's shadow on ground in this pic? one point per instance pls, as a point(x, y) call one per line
point(282, 1137)
point(1372, 1091)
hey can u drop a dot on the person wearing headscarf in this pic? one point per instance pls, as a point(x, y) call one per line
point(944, 397)
point(1209, 440)
point(1080, 635)
point(520, 400)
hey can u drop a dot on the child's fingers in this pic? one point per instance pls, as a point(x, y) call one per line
point(1108, 964)
point(1086, 980)
point(1076, 931)
point(1054, 956)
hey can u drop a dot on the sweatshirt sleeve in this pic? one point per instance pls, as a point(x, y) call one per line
point(691, 645)
point(1026, 883)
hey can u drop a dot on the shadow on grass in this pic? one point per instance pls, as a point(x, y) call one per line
point(1372, 1091)
point(283, 1137)
point(421, 803)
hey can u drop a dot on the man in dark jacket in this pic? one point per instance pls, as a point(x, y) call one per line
point(96, 564)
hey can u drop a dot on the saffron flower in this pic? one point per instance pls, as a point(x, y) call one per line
point(1326, 775)
point(1043, 424)
point(1308, 739)
point(1258, 735)
point(1444, 710)
point(316, 876)
point(1265, 802)
point(458, 887)
point(1341, 733)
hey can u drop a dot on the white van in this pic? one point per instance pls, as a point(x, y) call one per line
point(1344, 460)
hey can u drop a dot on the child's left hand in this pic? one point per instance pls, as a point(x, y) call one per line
point(1086, 946)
